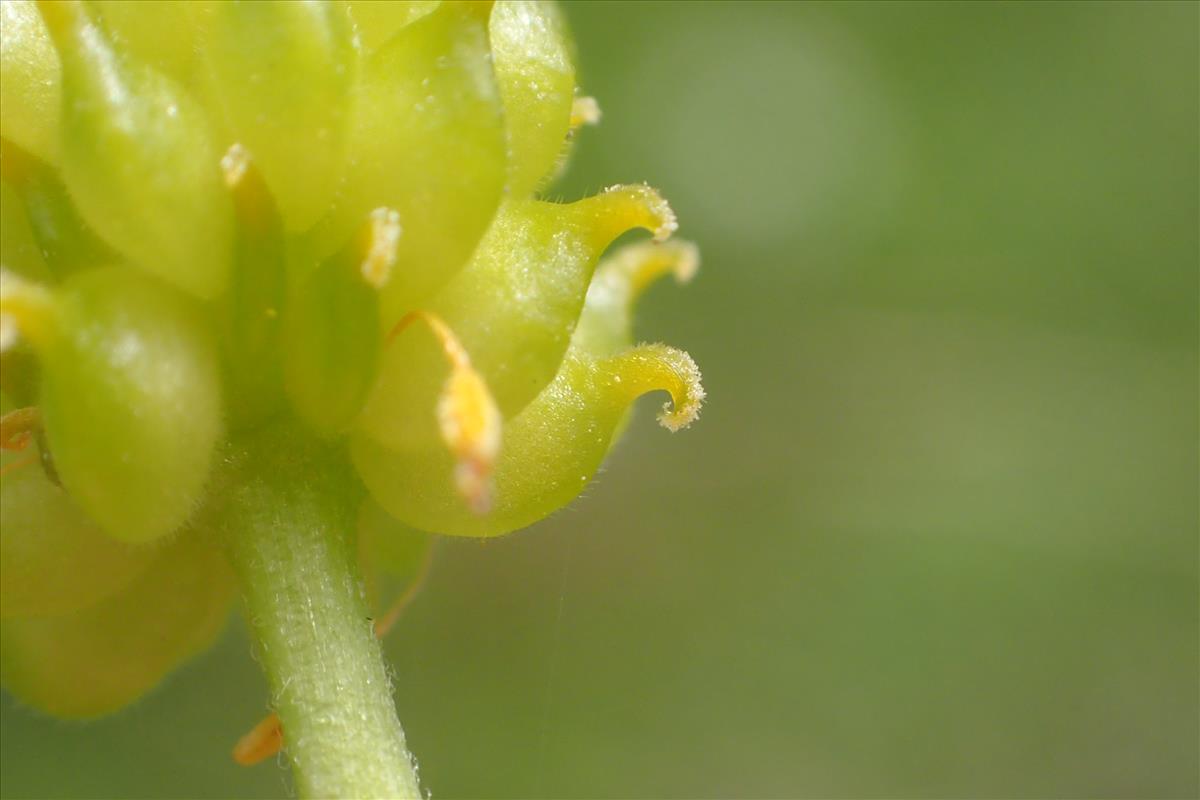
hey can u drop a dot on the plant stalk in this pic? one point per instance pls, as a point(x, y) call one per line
point(288, 525)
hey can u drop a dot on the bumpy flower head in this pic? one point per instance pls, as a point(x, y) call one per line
point(220, 215)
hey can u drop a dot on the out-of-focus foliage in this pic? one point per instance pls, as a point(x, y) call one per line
point(937, 535)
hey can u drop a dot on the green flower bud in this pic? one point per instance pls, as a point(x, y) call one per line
point(284, 72)
point(220, 221)
point(427, 141)
point(513, 307)
point(138, 158)
point(95, 660)
point(130, 395)
point(555, 445)
point(535, 72)
point(29, 80)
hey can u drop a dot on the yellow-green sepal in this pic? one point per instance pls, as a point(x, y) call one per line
point(130, 398)
point(535, 72)
point(427, 140)
point(375, 22)
point(30, 80)
point(158, 33)
point(553, 447)
point(283, 74)
point(549, 452)
point(513, 308)
point(53, 559)
point(98, 659)
point(138, 158)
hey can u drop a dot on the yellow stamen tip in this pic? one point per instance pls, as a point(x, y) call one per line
point(584, 111)
point(234, 164)
point(468, 418)
point(383, 239)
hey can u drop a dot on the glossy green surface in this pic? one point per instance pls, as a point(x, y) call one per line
point(158, 33)
point(283, 73)
point(535, 72)
point(139, 159)
point(375, 22)
point(427, 140)
point(131, 400)
point(30, 91)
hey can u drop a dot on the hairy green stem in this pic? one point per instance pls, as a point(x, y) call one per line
point(288, 524)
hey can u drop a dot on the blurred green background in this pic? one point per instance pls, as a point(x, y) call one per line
point(936, 532)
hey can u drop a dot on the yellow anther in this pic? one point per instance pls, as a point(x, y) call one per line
point(584, 111)
point(468, 418)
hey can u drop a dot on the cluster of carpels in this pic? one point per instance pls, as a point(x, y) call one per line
point(220, 214)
